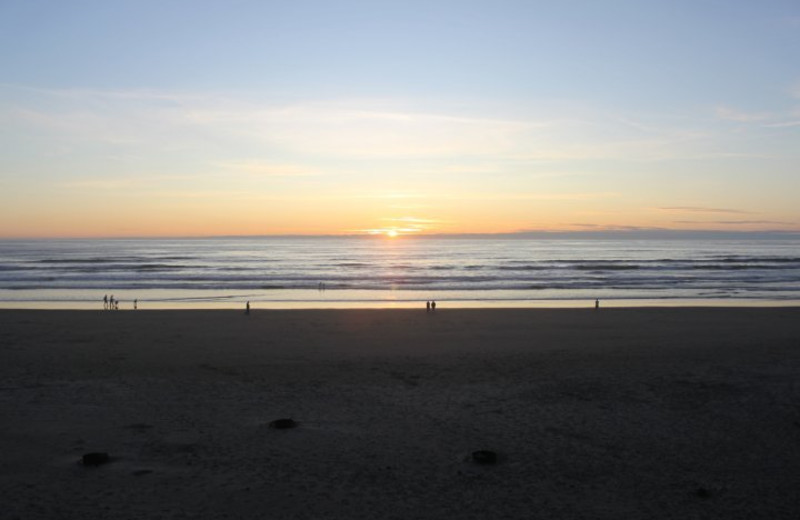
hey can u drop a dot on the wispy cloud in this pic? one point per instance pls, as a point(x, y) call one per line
point(736, 222)
point(351, 129)
point(74, 126)
point(612, 227)
point(794, 90)
point(268, 169)
point(385, 231)
point(783, 124)
point(779, 119)
point(536, 196)
point(123, 183)
point(732, 114)
point(393, 195)
point(703, 209)
point(412, 220)
point(102, 184)
point(496, 196)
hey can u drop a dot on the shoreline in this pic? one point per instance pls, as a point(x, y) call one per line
point(231, 304)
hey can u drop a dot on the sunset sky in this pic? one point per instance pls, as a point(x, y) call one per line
point(160, 118)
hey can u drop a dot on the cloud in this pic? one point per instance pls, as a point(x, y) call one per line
point(499, 196)
point(784, 124)
point(353, 129)
point(385, 231)
point(736, 222)
point(353, 132)
point(731, 114)
point(613, 227)
point(701, 209)
point(102, 184)
point(81, 95)
point(412, 220)
point(268, 169)
point(123, 184)
point(393, 195)
point(415, 224)
point(784, 119)
point(536, 196)
point(71, 126)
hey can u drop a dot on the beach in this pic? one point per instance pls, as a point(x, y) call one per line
point(608, 413)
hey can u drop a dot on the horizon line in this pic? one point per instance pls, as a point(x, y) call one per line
point(641, 233)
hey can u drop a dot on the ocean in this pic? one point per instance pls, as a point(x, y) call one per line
point(283, 272)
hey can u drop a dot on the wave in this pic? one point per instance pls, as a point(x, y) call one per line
point(275, 265)
point(606, 267)
point(114, 259)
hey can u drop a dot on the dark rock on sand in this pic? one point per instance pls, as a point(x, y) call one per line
point(139, 427)
point(484, 457)
point(283, 424)
point(95, 458)
point(702, 493)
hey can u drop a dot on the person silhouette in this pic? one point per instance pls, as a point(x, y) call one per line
point(135, 304)
point(105, 302)
point(247, 308)
point(427, 306)
point(433, 306)
point(597, 303)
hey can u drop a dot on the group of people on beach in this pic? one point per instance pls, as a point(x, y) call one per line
point(430, 306)
point(111, 304)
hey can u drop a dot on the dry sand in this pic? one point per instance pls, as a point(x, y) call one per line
point(617, 413)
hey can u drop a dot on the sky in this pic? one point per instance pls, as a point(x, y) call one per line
point(199, 118)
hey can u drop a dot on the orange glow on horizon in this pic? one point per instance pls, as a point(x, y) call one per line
point(105, 219)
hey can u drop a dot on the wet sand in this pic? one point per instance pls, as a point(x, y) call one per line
point(615, 413)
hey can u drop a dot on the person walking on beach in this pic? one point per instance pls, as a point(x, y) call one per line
point(427, 306)
point(105, 302)
point(247, 308)
point(135, 304)
point(597, 303)
point(433, 306)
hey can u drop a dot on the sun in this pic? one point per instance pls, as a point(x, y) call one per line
point(391, 233)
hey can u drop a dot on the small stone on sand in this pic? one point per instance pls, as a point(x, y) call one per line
point(95, 458)
point(484, 457)
point(282, 424)
point(703, 493)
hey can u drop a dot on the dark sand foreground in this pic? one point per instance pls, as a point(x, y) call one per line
point(617, 413)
